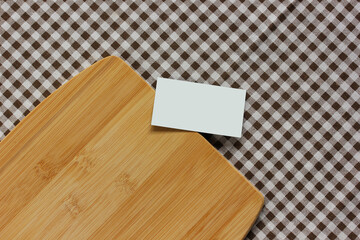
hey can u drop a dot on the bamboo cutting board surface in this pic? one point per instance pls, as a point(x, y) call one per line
point(86, 164)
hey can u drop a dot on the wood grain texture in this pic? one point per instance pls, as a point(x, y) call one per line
point(86, 164)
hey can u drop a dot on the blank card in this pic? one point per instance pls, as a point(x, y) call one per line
point(198, 107)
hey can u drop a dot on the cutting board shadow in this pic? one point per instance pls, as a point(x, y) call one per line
point(86, 164)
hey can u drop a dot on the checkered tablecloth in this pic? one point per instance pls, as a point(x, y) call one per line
point(298, 60)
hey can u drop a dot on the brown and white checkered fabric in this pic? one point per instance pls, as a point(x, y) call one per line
point(298, 60)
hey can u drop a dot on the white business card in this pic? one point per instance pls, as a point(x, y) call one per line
point(198, 107)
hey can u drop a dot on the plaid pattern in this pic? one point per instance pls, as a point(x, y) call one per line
point(298, 61)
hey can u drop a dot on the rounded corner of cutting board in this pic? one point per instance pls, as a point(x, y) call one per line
point(257, 193)
point(260, 203)
point(112, 59)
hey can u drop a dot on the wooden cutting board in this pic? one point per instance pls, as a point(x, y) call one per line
point(86, 163)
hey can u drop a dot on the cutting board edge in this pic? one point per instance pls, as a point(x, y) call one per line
point(261, 206)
